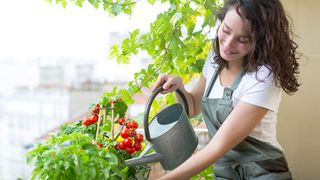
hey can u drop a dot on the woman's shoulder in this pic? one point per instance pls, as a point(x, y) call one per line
point(258, 88)
point(263, 73)
point(209, 66)
point(262, 78)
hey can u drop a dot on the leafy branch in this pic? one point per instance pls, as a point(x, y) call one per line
point(177, 43)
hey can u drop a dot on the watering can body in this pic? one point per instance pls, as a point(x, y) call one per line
point(169, 133)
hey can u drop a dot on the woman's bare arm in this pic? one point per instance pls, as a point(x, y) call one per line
point(236, 127)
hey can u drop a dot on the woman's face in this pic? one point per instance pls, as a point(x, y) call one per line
point(234, 42)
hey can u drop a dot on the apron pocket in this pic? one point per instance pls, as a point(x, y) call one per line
point(274, 165)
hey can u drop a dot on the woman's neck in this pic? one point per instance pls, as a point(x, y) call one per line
point(234, 67)
point(228, 75)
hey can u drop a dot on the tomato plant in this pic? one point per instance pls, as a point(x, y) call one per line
point(90, 148)
point(178, 43)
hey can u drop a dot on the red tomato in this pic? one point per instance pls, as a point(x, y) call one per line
point(133, 124)
point(137, 146)
point(130, 150)
point(128, 142)
point(121, 121)
point(128, 125)
point(125, 133)
point(94, 118)
point(100, 145)
point(132, 132)
point(86, 121)
point(96, 109)
point(121, 145)
point(138, 138)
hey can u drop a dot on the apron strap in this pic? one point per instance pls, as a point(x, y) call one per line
point(227, 92)
point(237, 81)
point(213, 79)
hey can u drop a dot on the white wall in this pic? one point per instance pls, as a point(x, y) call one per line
point(299, 115)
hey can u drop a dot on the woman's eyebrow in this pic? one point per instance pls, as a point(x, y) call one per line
point(242, 36)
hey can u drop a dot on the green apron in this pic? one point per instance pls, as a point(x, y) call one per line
point(251, 159)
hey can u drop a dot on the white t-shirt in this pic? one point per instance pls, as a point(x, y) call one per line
point(261, 92)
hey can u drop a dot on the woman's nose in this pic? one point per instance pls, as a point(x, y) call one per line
point(228, 42)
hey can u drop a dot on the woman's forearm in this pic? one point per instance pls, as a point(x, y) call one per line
point(236, 127)
point(192, 166)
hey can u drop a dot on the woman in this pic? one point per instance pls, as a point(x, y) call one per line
point(239, 93)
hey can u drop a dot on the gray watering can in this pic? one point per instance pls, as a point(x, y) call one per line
point(169, 133)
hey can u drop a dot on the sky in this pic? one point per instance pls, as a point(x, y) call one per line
point(31, 29)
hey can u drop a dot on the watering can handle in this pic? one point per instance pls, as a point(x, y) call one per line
point(148, 106)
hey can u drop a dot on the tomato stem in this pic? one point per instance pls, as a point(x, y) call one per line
point(112, 123)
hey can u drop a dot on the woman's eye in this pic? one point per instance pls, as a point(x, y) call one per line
point(225, 31)
point(243, 40)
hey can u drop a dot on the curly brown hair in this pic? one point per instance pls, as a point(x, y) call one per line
point(271, 39)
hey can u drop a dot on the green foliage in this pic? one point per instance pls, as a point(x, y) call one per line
point(113, 7)
point(177, 43)
point(69, 156)
point(205, 174)
point(174, 43)
point(78, 151)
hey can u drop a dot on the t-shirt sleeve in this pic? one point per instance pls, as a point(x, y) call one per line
point(262, 91)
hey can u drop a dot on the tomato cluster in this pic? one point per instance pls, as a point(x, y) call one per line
point(93, 118)
point(131, 139)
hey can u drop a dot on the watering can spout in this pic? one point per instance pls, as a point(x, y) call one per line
point(143, 158)
point(153, 157)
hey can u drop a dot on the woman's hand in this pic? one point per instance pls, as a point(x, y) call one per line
point(168, 82)
point(171, 83)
